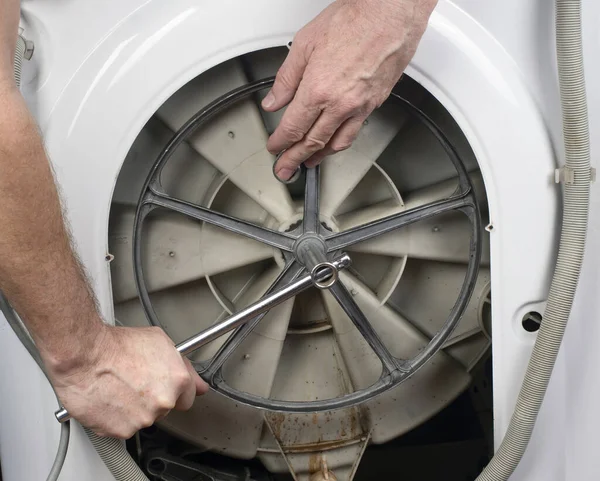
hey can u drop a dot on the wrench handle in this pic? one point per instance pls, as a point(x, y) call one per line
point(318, 276)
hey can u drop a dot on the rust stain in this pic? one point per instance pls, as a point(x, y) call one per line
point(276, 421)
point(320, 446)
point(314, 463)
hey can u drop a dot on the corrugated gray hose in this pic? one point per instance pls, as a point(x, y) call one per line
point(19, 56)
point(571, 247)
point(111, 451)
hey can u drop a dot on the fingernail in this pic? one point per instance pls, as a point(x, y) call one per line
point(269, 100)
point(285, 173)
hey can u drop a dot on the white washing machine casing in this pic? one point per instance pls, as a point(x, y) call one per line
point(99, 72)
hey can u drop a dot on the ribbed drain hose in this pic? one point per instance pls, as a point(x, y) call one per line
point(117, 459)
point(19, 56)
point(571, 247)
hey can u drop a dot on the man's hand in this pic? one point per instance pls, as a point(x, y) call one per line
point(131, 377)
point(341, 66)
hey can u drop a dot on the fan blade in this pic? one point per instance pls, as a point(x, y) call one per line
point(186, 176)
point(397, 333)
point(428, 290)
point(412, 402)
point(176, 250)
point(445, 238)
point(310, 369)
point(183, 310)
point(368, 214)
point(341, 173)
point(262, 64)
point(261, 350)
point(445, 189)
point(234, 141)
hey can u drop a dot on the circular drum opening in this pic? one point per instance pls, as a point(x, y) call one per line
point(406, 281)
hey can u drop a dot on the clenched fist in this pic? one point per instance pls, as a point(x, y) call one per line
point(131, 378)
point(341, 66)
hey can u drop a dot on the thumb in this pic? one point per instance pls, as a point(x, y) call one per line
point(287, 80)
point(200, 384)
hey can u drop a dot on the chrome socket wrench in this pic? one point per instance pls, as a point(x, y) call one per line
point(323, 275)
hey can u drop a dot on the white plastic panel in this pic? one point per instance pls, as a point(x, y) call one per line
point(97, 107)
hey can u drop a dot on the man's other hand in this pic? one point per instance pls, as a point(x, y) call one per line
point(341, 66)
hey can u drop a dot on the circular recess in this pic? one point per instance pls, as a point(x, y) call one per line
point(156, 466)
point(532, 321)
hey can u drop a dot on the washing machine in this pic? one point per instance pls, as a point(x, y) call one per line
point(449, 205)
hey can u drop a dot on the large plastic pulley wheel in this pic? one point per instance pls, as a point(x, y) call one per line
point(394, 370)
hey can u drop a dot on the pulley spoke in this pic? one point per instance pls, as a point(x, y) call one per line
point(311, 201)
point(242, 227)
point(288, 274)
point(345, 300)
point(387, 224)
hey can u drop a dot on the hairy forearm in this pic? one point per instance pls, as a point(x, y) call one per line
point(38, 271)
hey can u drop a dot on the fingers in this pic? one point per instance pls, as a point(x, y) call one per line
point(187, 387)
point(313, 142)
point(341, 140)
point(287, 80)
point(201, 386)
point(298, 118)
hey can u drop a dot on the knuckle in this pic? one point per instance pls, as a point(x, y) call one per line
point(287, 74)
point(371, 105)
point(164, 403)
point(181, 379)
point(355, 103)
point(144, 420)
point(293, 133)
point(313, 143)
point(341, 145)
point(322, 96)
point(283, 77)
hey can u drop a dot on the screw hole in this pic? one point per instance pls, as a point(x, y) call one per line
point(157, 466)
point(532, 321)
